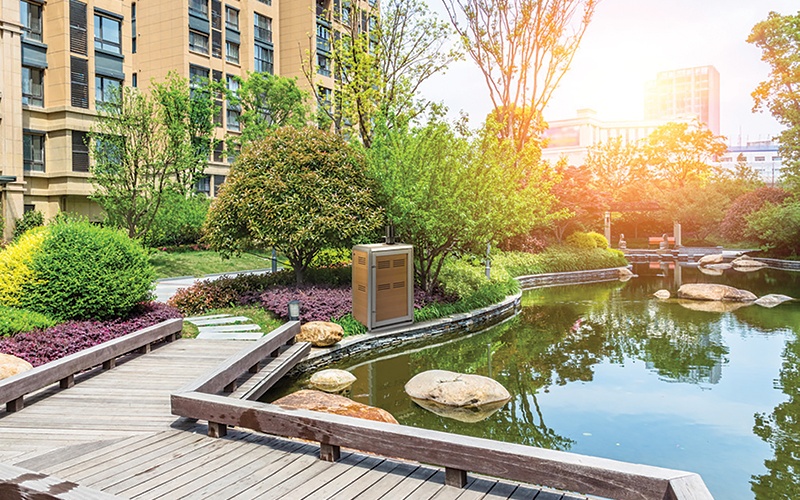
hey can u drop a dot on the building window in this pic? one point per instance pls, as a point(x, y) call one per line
point(232, 52)
point(262, 28)
point(216, 14)
point(218, 153)
point(232, 119)
point(33, 152)
point(266, 2)
point(107, 34)
point(725, 159)
point(32, 88)
point(199, 7)
point(106, 90)
point(133, 28)
point(31, 18)
point(263, 59)
point(759, 158)
point(231, 18)
point(80, 151)
point(134, 80)
point(777, 158)
point(79, 82)
point(323, 65)
point(203, 185)
point(77, 27)
point(198, 42)
point(323, 38)
point(219, 180)
point(198, 76)
point(216, 44)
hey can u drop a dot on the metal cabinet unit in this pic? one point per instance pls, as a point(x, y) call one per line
point(383, 284)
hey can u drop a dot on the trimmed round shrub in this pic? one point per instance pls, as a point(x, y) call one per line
point(600, 241)
point(84, 271)
point(15, 268)
point(581, 240)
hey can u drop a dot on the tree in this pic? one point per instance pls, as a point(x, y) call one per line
point(143, 144)
point(776, 226)
point(734, 225)
point(523, 48)
point(576, 196)
point(446, 192)
point(616, 168)
point(266, 102)
point(298, 191)
point(380, 66)
point(679, 153)
point(699, 209)
point(778, 37)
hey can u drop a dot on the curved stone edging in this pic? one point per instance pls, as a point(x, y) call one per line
point(787, 265)
point(472, 321)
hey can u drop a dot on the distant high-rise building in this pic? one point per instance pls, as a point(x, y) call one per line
point(682, 92)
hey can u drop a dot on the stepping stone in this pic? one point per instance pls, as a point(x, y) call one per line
point(229, 336)
point(229, 328)
point(220, 321)
point(192, 319)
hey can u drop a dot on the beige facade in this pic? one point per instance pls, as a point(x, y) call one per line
point(59, 57)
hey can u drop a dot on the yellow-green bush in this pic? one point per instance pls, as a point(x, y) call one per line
point(15, 262)
point(581, 240)
point(600, 241)
point(463, 278)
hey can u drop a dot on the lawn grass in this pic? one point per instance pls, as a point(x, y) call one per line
point(259, 316)
point(203, 262)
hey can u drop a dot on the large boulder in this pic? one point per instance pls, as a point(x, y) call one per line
point(11, 365)
point(713, 291)
point(711, 306)
point(710, 272)
point(332, 380)
point(749, 263)
point(307, 399)
point(320, 333)
point(625, 274)
point(722, 266)
point(463, 414)
point(710, 259)
point(772, 300)
point(456, 389)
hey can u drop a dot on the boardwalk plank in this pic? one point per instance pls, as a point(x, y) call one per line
point(411, 483)
point(388, 481)
point(501, 490)
point(429, 488)
point(331, 488)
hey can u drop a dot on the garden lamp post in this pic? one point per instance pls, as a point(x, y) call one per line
point(294, 310)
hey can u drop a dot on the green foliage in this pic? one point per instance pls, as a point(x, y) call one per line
point(332, 257)
point(777, 227)
point(146, 144)
point(266, 102)
point(29, 220)
point(299, 191)
point(699, 209)
point(778, 37)
point(559, 259)
point(616, 168)
point(179, 221)
point(446, 192)
point(580, 206)
point(464, 277)
point(581, 240)
point(599, 240)
point(15, 262)
point(350, 325)
point(734, 225)
point(680, 153)
point(14, 320)
point(83, 271)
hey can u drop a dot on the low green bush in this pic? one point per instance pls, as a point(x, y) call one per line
point(464, 277)
point(559, 259)
point(84, 271)
point(29, 220)
point(179, 220)
point(14, 320)
point(600, 241)
point(581, 240)
point(15, 268)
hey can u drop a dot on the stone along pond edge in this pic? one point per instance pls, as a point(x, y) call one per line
point(387, 339)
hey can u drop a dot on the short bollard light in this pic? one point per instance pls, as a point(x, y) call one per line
point(294, 310)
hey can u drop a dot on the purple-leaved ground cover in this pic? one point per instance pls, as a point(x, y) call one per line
point(42, 346)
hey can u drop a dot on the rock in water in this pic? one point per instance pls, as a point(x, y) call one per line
point(710, 259)
point(748, 263)
point(332, 380)
point(713, 291)
point(662, 294)
point(773, 300)
point(462, 414)
point(710, 272)
point(712, 305)
point(11, 365)
point(333, 403)
point(721, 266)
point(456, 389)
point(625, 274)
point(320, 333)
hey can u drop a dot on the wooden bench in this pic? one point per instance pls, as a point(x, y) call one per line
point(656, 240)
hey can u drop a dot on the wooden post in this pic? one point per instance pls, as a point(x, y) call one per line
point(15, 405)
point(216, 430)
point(275, 353)
point(111, 363)
point(67, 382)
point(254, 368)
point(230, 387)
point(329, 452)
point(145, 348)
point(455, 477)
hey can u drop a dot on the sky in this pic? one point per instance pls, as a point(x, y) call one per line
point(627, 44)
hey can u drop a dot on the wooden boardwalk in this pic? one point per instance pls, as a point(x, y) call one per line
point(113, 431)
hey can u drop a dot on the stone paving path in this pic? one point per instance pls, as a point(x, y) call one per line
point(225, 327)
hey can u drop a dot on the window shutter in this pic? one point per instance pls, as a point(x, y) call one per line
point(80, 152)
point(77, 27)
point(79, 82)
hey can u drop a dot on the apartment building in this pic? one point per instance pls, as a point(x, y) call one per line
point(59, 59)
point(762, 156)
point(684, 91)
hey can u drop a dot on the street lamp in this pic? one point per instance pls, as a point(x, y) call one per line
point(294, 310)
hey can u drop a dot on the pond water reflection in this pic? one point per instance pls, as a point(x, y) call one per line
point(607, 370)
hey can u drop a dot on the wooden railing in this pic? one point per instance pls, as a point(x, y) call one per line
point(13, 389)
point(458, 454)
point(201, 400)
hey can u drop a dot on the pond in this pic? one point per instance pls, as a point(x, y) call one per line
point(608, 370)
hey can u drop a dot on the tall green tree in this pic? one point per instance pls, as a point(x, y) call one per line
point(523, 48)
point(142, 145)
point(298, 190)
point(448, 192)
point(678, 154)
point(616, 169)
point(266, 102)
point(380, 64)
point(778, 37)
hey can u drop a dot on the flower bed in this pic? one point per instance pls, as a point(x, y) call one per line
point(42, 346)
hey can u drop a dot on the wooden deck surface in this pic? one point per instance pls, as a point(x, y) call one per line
point(113, 431)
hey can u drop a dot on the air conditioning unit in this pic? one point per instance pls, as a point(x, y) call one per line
point(383, 285)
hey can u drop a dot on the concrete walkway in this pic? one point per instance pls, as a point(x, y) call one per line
point(166, 287)
point(225, 327)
